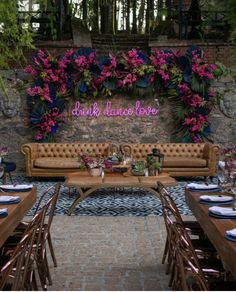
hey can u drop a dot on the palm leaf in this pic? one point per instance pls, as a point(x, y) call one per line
point(179, 109)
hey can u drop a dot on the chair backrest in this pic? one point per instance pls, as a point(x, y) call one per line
point(188, 273)
point(167, 200)
point(51, 196)
point(16, 274)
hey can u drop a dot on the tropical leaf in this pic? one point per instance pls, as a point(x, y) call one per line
point(143, 81)
point(197, 86)
point(109, 84)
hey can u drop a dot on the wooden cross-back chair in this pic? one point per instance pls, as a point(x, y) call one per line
point(47, 203)
point(199, 240)
point(211, 266)
point(17, 272)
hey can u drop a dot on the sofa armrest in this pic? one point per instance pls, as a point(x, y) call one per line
point(30, 150)
point(211, 153)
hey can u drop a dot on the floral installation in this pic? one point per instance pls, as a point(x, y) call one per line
point(183, 78)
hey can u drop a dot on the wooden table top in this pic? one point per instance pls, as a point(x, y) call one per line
point(215, 229)
point(16, 212)
point(84, 179)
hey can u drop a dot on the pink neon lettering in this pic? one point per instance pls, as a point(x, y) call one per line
point(94, 111)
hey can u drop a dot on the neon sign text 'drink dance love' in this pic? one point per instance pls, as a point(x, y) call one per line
point(109, 111)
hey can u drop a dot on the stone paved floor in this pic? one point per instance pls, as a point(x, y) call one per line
point(108, 253)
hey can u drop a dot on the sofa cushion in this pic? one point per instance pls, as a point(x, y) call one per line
point(184, 162)
point(56, 162)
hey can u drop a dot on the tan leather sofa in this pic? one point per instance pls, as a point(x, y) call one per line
point(180, 159)
point(56, 159)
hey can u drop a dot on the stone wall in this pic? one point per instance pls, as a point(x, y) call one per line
point(14, 128)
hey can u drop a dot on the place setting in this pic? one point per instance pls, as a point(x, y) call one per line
point(6, 200)
point(222, 212)
point(203, 187)
point(218, 199)
point(3, 213)
point(16, 187)
point(231, 234)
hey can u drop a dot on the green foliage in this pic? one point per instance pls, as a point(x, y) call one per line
point(152, 163)
point(15, 34)
point(232, 19)
point(220, 70)
point(138, 167)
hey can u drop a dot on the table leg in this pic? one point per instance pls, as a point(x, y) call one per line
point(81, 196)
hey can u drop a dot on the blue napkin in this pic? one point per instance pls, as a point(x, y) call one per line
point(216, 199)
point(230, 237)
point(194, 187)
point(5, 200)
point(3, 213)
point(16, 188)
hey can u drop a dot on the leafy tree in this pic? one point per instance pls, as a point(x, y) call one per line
point(232, 19)
point(15, 34)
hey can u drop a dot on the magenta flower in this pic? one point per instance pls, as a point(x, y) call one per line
point(38, 136)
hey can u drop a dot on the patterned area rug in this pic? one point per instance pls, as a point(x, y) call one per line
point(113, 201)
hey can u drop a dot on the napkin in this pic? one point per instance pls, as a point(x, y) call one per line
point(201, 186)
point(231, 232)
point(16, 187)
point(9, 199)
point(3, 212)
point(217, 198)
point(227, 211)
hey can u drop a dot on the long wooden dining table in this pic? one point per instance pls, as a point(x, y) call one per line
point(16, 212)
point(215, 230)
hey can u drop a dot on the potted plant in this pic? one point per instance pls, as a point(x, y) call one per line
point(94, 165)
point(154, 168)
point(154, 162)
point(138, 168)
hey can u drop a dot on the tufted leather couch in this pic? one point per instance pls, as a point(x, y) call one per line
point(56, 159)
point(180, 159)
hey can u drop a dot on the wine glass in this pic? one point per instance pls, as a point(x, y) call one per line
point(222, 179)
point(233, 185)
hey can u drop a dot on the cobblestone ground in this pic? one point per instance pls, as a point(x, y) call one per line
point(108, 253)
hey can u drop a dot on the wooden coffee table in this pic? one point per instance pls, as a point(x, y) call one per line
point(86, 184)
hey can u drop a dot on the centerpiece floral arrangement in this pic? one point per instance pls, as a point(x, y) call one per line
point(91, 162)
point(229, 155)
point(183, 78)
point(230, 152)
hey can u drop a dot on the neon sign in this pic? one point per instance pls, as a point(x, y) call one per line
point(110, 111)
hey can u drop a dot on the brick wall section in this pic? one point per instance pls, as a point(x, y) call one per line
point(216, 52)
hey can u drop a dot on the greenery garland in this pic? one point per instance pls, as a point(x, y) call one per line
point(185, 78)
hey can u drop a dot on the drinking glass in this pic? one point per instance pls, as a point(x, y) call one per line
point(222, 179)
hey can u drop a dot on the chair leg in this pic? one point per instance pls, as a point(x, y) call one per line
point(165, 253)
point(34, 282)
point(4, 178)
point(52, 250)
point(48, 275)
point(10, 176)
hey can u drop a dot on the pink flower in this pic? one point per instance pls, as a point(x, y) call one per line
point(28, 69)
point(38, 136)
point(33, 90)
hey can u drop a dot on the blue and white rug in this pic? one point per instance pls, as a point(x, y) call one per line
point(113, 201)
